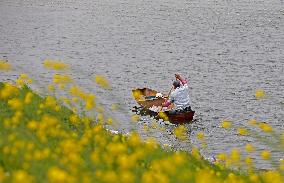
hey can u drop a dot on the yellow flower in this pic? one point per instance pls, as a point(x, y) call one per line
point(272, 177)
point(226, 124)
point(134, 139)
point(200, 135)
point(61, 79)
point(32, 125)
point(74, 91)
point(117, 148)
point(23, 79)
point(50, 101)
point(126, 162)
point(135, 118)
point(75, 100)
point(248, 161)
point(265, 127)
point(195, 153)
point(55, 65)
point(180, 132)
point(28, 98)
point(114, 107)
point(242, 131)
point(204, 176)
point(235, 156)
point(8, 90)
point(102, 82)
point(5, 66)
point(265, 155)
point(61, 86)
point(21, 176)
point(20, 82)
point(57, 108)
point(95, 157)
point(109, 121)
point(2, 174)
point(281, 166)
point(57, 175)
point(147, 177)
point(259, 93)
point(110, 176)
point(74, 119)
point(90, 103)
point(50, 88)
point(151, 144)
point(15, 104)
point(254, 178)
point(222, 157)
point(249, 148)
point(127, 177)
point(252, 122)
point(24, 76)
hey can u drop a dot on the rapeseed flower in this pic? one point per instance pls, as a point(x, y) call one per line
point(57, 175)
point(265, 154)
point(248, 161)
point(102, 81)
point(235, 156)
point(253, 122)
point(55, 65)
point(21, 176)
point(127, 177)
point(195, 153)
point(200, 135)
point(259, 93)
point(265, 127)
point(23, 79)
point(5, 66)
point(249, 148)
point(28, 98)
point(8, 91)
point(74, 119)
point(15, 104)
point(180, 132)
point(242, 131)
point(61, 79)
point(226, 124)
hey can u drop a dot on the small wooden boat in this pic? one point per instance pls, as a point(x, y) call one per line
point(146, 98)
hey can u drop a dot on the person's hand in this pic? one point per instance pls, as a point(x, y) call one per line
point(177, 76)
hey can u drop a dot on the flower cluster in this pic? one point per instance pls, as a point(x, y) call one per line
point(53, 140)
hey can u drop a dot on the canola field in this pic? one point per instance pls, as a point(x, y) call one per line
point(50, 139)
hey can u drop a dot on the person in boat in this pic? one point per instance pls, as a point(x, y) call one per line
point(179, 96)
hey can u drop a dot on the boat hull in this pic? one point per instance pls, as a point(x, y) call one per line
point(180, 118)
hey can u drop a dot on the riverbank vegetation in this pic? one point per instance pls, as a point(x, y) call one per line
point(57, 139)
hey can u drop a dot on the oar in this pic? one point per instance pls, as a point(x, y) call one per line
point(170, 91)
point(167, 97)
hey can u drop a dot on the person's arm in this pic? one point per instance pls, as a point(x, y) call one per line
point(182, 80)
point(166, 104)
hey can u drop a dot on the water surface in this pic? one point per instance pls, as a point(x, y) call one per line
point(226, 49)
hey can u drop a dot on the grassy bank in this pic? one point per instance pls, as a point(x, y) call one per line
point(43, 141)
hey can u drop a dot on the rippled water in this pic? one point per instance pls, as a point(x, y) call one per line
point(226, 49)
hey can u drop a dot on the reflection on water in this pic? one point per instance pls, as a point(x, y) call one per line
point(226, 49)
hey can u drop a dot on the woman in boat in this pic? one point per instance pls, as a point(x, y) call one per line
point(179, 97)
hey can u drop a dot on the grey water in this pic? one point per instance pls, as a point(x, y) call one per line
point(225, 49)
